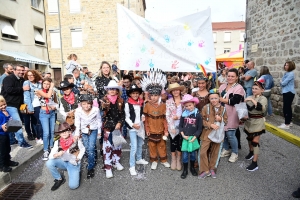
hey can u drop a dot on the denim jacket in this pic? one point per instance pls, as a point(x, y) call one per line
point(29, 94)
point(269, 83)
point(288, 82)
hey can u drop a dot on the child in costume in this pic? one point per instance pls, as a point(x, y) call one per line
point(155, 118)
point(133, 120)
point(213, 114)
point(113, 117)
point(88, 121)
point(65, 147)
point(190, 128)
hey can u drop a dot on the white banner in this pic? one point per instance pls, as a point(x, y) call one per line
point(182, 45)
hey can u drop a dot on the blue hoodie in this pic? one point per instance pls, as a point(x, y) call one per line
point(3, 120)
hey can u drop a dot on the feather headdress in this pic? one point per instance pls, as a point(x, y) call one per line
point(154, 82)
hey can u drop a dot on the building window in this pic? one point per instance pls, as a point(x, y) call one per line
point(227, 37)
point(55, 39)
point(215, 37)
point(52, 7)
point(74, 6)
point(76, 35)
point(36, 3)
point(226, 50)
point(38, 38)
point(7, 28)
point(242, 33)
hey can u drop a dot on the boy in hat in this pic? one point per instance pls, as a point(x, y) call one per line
point(133, 120)
point(155, 118)
point(64, 148)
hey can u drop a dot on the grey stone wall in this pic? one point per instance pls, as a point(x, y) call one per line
point(275, 26)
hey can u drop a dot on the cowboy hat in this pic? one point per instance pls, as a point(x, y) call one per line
point(134, 88)
point(63, 127)
point(65, 84)
point(175, 86)
point(113, 85)
point(85, 97)
point(189, 98)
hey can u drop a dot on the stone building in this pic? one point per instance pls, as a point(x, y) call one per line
point(273, 37)
point(89, 29)
point(22, 34)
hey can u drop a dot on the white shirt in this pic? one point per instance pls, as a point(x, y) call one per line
point(137, 111)
point(82, 120)
point(222, 79)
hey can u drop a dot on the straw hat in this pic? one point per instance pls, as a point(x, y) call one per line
point(189, 98)
point(175, 86)
point(113, 85)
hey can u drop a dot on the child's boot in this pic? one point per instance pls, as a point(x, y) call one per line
point(192, 168)
point(173, 162)
point(178, 162)
point(185, 171)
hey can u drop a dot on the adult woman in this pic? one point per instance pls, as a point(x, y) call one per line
point(105, 75)
point(31, 120)
point(255, 125)
point(288, 91)
point(173, 114)
point(267, 79)
point(47, 114)
point(222, 78)
point(231, 93)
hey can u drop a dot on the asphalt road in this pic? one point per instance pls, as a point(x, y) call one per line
point(277, 177)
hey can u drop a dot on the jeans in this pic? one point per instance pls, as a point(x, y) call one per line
point(185, 156)
point(30, 124)
point(269, 110)
point(73, 171)
point(38, 126)
point(89, 142)
point(136, 147)
point(48, 124)
point(248, 91)
point(287, 106)
point(124, 131)
point(14, 113)
point(231, 138)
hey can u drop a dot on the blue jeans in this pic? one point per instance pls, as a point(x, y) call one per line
point(248, 91)
point(185, 156)
point(14, 113)
point(30, 124)
point(124, 131)
point(136, 147)
point(231, 138)
point(89, 142)
point(38, 126)
point(48, 124)
point(73, 171)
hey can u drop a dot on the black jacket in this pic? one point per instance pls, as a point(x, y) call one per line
point(12, 91)
point(191, 125)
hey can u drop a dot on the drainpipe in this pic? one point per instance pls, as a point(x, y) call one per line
point(61, 47)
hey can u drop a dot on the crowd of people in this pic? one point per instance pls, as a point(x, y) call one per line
point(200, 121)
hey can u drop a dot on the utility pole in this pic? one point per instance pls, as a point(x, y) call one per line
point(61, 47)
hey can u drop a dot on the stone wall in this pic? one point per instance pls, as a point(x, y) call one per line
point(275, 26)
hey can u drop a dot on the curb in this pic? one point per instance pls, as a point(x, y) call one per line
point(283, 134)
point(5, 178)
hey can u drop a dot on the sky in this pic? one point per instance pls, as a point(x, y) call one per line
point(221, 10)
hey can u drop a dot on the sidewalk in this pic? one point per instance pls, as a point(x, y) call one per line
point(291, 135)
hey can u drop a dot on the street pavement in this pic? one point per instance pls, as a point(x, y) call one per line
point(277, 178)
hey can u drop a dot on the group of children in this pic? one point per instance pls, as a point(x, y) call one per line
point(178, 120)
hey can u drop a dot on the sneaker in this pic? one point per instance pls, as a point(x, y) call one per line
point(13, 163)
point(166, 164)
point(154, 165)
point(291, 124)
point(249, 156)
point(225, 153)
point(283, 126)
point(26, 145)
point(233, 157)
point(5, 169)
point(252, 167)
point(58, 183)
point(46, 155)
point(118, 166)
point(213, 173)
point(132, 171)
point(109, 174)
point(142, 162)
point(90, 174)
point(203, 175)
point(296, 194)
point(39, 141)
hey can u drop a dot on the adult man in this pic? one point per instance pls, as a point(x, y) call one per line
point(12, 91)
point(245, 66)
point(8, 69)
point(26, 69)
point(249, 77)
point(47, 75)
